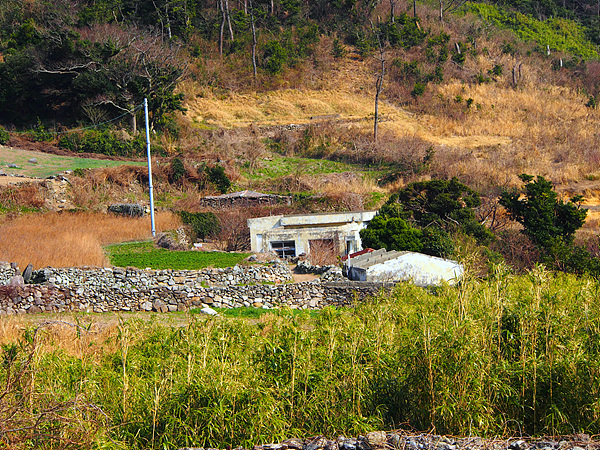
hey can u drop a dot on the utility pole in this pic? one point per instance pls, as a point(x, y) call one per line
point(149, 168)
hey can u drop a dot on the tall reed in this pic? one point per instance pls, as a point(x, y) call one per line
point(508, 355)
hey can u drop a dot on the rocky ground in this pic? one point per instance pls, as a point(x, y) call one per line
point(402, 441)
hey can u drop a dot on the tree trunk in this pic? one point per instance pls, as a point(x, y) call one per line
point(393, 11)
point(134, 123)
point(516, 73)
point(228, 20)
point(222, 30)
point(253, 41)
point(168, 22)
point(378, 89)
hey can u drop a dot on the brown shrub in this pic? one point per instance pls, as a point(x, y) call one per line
point(322, 252)
point(517, 249)
point(28, 195)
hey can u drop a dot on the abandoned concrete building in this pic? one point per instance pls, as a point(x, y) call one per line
point(294, 235)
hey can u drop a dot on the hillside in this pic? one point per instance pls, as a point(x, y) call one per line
point(484, 95)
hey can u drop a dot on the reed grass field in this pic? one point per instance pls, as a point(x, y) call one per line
point(511, 355)
point(72, 239)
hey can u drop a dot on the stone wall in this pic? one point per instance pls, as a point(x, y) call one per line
point(117, 289)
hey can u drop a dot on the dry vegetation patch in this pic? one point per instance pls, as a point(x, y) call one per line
point(72, 239)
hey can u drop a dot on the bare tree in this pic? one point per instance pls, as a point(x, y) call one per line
point(254, 43)
point(380, 76)
point(141, 59)
point(393, 10)
point(448, 6)
point(225, 20)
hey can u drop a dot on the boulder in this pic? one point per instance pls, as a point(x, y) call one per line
point(127, 209)
point(32, 161)
point(209, 311)
point(164, 240)
point(146, 306)
point(27, 273)
point(17, 280)
point(160, 306)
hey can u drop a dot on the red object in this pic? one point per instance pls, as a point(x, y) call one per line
point(354, 255)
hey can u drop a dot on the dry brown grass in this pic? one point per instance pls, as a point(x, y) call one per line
point(542, 126)
point(70, 240)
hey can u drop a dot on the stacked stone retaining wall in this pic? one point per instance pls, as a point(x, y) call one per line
point(117, 289)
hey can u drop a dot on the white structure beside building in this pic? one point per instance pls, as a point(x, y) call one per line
point(293, 235)
point(393, 266)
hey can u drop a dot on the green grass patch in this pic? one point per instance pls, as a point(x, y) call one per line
point(48, 164)
point(255, 313)
point(145, 255)
point(560, 34)
point(280, 166)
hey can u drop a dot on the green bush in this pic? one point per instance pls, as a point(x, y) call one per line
point(177, 169)
point(217, 176)
point(103, 142)
point(274, 57)
point(418, 90)
point(4, 136)
point(203, 224)
point(338, 51)
point(551, 224)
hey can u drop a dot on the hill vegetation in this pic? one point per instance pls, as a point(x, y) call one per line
point(279, 96)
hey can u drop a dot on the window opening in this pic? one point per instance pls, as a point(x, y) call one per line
point(284, 248)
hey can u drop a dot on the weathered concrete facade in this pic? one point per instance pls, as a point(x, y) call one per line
point(293, 235)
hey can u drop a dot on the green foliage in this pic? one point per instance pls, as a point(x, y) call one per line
point(145, 254)
point(274, 57)
point(436, 242)
point(496, 71)
point(103, 142)
point(592, 102)
point(338, 51)
point(447, 204)
point(217, 176)
point(437, 208)
point(177, 169)
point(459, 58)
point(559, 33)
point(203, 224)
point(418, 89)
point(4, 136)
point(391, 233)
point(546, 220)
point(403, 32)
point(551, 224)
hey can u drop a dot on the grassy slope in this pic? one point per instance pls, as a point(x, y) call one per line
point(541, 126)
point(48, 164)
